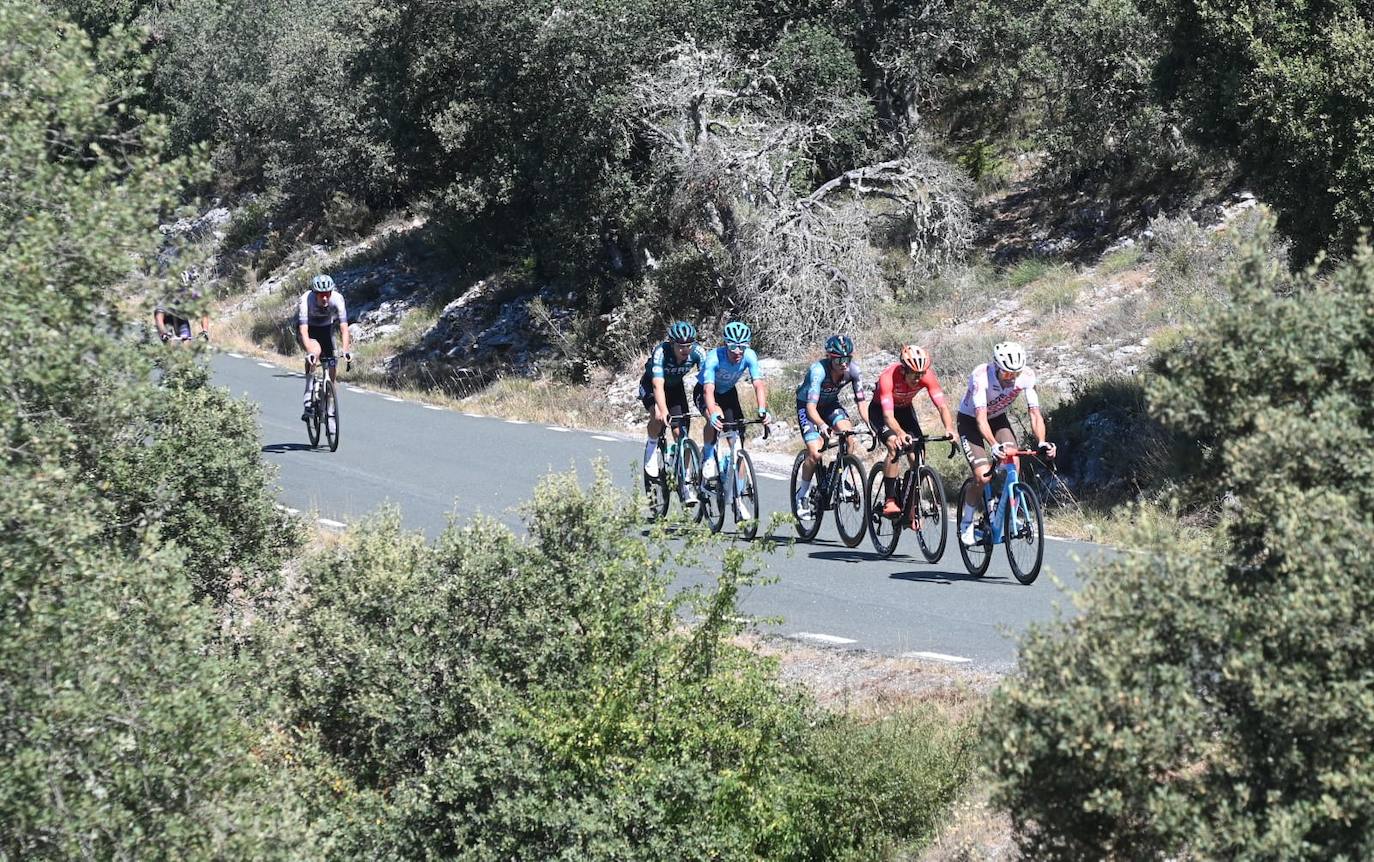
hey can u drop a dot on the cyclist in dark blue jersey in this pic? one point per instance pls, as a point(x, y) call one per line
point(819, 410)
point(715, 395)
point(662, 387)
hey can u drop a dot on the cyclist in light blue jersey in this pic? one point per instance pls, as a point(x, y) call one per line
point(819, 410)
point(715, 395)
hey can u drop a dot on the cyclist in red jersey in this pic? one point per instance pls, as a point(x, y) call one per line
point(892, 412)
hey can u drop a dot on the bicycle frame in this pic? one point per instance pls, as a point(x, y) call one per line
point(672, 455)
point(827, 473)
point(732, 431)
point(1009, 467)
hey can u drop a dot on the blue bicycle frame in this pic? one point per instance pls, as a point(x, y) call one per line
point(1011, 481)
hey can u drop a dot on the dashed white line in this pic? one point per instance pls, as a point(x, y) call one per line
point(360, 390)
point(333, 525)
point(604, 437)
point(288, 510)
point(516, 422)
point(475, 415)
point(236, 355)
point(556, 428)
point(432, 407)
point(266, 365)
point(938, 656)
point(825, 639)
point(393, 399)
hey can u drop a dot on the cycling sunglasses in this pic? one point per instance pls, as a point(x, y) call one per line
point(736, 345)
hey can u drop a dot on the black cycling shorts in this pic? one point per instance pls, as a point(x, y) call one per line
point(728, 402)
point(324, 335)
point(906, 420)
point(674, 395)
point(971, 438)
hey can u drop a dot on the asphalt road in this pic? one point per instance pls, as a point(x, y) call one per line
point(437, 463)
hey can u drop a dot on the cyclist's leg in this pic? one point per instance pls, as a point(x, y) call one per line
point(878, 423)
point(729, 405)
point(708, 434)
point(655, 428)
point(811, 437)
point(975, 452)
point(311, 348)
point(180, 326)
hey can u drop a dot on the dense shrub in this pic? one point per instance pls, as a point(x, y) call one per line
point(1217, 705)
point(541, 698)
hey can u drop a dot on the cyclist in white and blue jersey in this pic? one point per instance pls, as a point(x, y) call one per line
point(321, 308)
point(662, 387)
point(715, 395)
point(819, 409)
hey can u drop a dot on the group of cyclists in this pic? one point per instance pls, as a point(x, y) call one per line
point(890, 412)
point(981, 417)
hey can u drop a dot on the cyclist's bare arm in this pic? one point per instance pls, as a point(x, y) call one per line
point(312, 348)
point(948, 418)
point(160, 321)
point(815, 415)
point(347, 340)
point(1037, 424)
point(761, 394)
point(660, 400)
point(708, 395)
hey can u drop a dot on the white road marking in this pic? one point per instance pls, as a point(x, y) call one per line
point(360, 390)
point(393, 399)
point(825, 639)
point(236, 355)
point(333, 525)
point(604, 437)
point(266, 365)
point(556, 428)
point(516, 422)
point(288, 510)
point(938, 656)
point(475, 415)
point(433, 407)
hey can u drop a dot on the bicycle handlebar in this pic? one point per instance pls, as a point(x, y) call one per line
point(738, 425)
point(918, 442)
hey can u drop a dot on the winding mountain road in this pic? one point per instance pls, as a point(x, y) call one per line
point(435, 463)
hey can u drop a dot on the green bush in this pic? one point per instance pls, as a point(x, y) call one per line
point(192, 468)
point(1216, 704)
point(541, 698)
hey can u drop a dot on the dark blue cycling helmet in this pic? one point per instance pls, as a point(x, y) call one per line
point(682, 332)
point(839, 346)
point(738, 332)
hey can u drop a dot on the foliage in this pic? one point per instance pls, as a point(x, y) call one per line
point(120, 735)
point(1218, 706)
point(540, 698)
point(1287, 87)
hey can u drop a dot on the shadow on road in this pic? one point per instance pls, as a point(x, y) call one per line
point(278, 448)
point(943, 576)
point(845, 555)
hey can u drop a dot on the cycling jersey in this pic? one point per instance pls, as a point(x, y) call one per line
point(985, 390)
point(893, 391)
point(718, 369)
point(819, 389)
point(663, 364)
point(312, 313)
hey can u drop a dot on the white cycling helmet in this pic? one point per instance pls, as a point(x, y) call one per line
point(1009, 356)
point(322, 283)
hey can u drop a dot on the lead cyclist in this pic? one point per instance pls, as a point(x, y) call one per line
point(992, 388)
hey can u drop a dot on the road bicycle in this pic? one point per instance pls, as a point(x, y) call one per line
point(837, 485)
point(922, 497)
point(324, 403)
point(679, 469)
point(1011, 516)
point(742, 495)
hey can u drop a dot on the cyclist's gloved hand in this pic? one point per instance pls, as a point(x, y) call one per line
point(205, 335)
point(763, 413)
point(1047, 449)
point(953, 448)
point(716, 420)
point(999, 450)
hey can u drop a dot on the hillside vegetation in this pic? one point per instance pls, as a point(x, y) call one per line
point(181, 678)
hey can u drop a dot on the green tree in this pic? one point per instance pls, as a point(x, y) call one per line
point(1218, 705)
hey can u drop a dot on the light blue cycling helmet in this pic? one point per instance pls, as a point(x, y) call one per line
point(322, 283)
point(738, 332)
point(682, 332)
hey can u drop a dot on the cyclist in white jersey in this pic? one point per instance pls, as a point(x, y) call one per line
point(992, 388)
point(321, 309)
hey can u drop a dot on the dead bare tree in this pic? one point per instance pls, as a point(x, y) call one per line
point(799, 259)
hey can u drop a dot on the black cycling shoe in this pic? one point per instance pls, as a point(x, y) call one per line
point(308, 415)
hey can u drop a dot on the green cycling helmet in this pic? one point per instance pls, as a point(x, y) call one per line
point(738, 332)
point(682, 332)
point(839, 346)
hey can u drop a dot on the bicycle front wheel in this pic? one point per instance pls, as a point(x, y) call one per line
point(851, 503)
point(807, 528)
point(656, 489)
point(1025, 534)
point(746, 497)
point(978, 556)
point(928, 514)
point(883, 532)
point(689, 476)
point(713, 499)
point(312, 425)
point(331, 415)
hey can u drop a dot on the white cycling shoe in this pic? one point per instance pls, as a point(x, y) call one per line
point(966, 536)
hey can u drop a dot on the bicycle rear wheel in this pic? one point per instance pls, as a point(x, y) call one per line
point(656, 489)
point(883, 532)
point(929, 514)
point(977, 556)
point(1025, 534)
point(746, 497)
point(807, 528)
point(331, 415)
point(312, 425)
point(851, 503)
